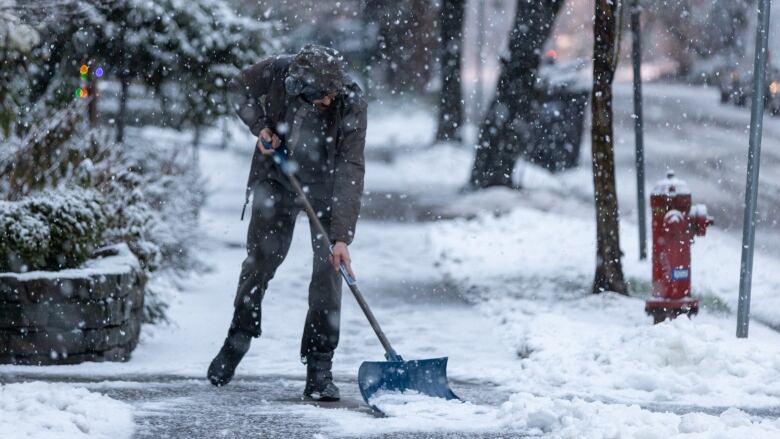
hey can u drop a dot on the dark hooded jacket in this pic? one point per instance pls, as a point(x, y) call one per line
point(260, 98)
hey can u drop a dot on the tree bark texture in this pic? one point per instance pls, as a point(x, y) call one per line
point(450, 100)
point(122, 114)
point(609, 270)
point(506, 125)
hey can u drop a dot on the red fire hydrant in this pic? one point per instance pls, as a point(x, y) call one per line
point(675, 224)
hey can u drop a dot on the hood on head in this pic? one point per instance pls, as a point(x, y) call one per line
point(316, 69)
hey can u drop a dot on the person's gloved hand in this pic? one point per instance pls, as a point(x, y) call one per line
point(341, 254)
point(269, 136)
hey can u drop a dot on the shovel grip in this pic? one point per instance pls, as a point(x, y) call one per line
point(343, 270)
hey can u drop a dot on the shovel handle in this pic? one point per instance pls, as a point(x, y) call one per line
point(288, 169)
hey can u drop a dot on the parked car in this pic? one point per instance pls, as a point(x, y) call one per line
point(773, 98)
point(737, 87)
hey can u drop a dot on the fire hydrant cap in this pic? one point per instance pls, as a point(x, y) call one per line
point(671, 185)
point(698, 210)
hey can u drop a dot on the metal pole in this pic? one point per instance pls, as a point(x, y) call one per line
point(480, 59)
point(636, 56)
point(754, 163)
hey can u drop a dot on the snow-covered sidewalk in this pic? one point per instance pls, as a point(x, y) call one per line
point(502, 290)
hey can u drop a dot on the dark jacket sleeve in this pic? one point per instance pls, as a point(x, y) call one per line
point(248, 91)
point(349, 172)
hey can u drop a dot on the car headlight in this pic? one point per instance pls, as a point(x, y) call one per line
point(774, 87)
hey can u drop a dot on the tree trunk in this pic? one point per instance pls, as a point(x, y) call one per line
point(93, 101)
point(196, 136)
point(505, 127)
point(225, 134)
point(609, 271)
point(450, 101)
point(122, 114)
point(406, 36)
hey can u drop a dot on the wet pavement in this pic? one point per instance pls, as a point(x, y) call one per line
point(250, 407)
point(179, 407)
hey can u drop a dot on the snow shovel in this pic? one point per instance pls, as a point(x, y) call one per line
point(428, 377)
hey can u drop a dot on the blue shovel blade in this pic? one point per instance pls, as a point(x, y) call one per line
point(428, 377)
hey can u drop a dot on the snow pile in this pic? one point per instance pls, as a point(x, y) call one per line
point(606, 348)
point(54, 410)
point(528, 415)
point(532, 271)
point(559, 418)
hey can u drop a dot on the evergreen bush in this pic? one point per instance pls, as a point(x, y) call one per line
point(53, 230)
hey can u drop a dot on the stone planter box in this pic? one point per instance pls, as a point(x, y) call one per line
point(65, 317)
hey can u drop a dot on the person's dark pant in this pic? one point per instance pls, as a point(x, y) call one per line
point(274, 209)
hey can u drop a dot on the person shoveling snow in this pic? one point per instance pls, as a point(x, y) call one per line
point(304, 159)
point(307, 102)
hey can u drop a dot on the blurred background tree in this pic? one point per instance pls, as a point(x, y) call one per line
point(180, 52)
point(450, 44)
point(151, 64)
point(506, 126)
point(17, 40)
point(606, 47)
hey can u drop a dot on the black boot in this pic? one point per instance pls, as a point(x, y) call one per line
point(319, 379)
point(223, 366)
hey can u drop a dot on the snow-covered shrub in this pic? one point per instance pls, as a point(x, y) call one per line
point(60, 148)
point(157, 198)
point(173, 188)
point(55, 229)
point(25, 238)
point(152, 192)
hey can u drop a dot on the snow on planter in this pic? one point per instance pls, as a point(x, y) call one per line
point(92, 313)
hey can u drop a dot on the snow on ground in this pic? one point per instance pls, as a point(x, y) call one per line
point(538, 416)
point(531, 270)
point(504, 295)
point(402, 125)
point(392, 263)
point(437, 168)
point(37, 410)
